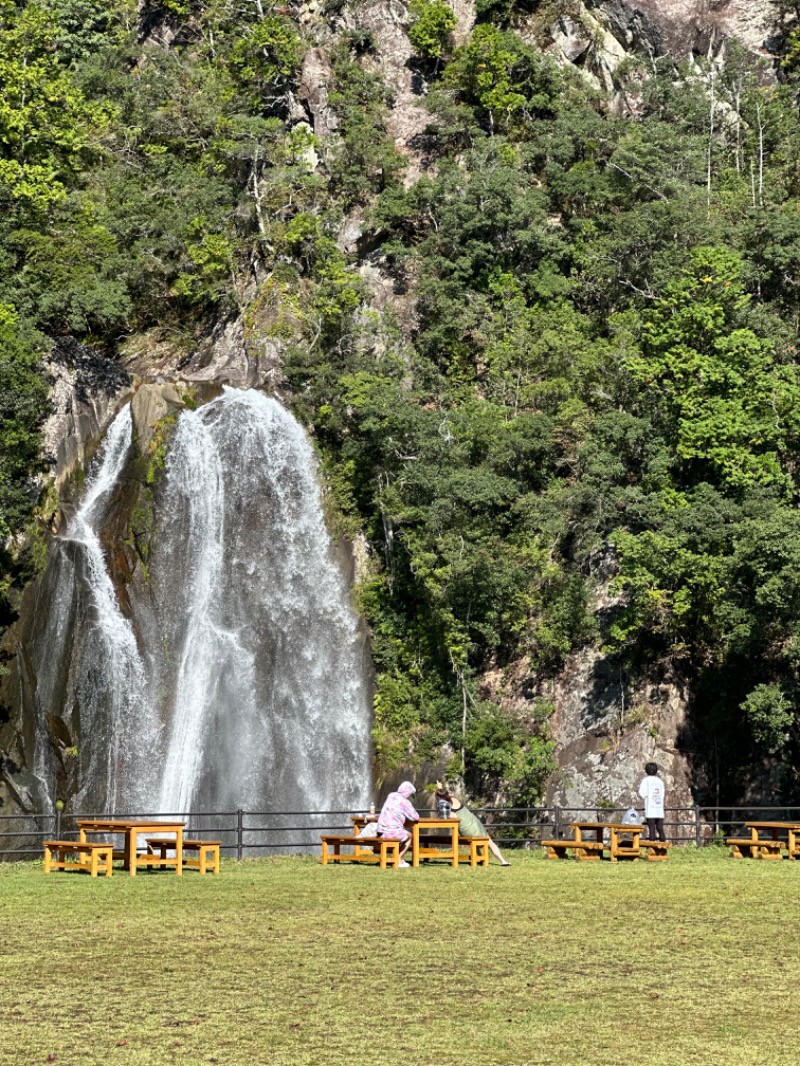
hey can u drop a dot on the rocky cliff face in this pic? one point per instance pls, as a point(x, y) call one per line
point(607, 725)
point(697, 27)
point(85, 392)
point(598, 36)
point(607, 722)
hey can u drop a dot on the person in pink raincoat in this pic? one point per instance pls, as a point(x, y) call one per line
point(396, 811)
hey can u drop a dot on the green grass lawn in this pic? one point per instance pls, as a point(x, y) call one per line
point(284, 962)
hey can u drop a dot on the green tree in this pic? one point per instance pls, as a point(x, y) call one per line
point(732, 405)
point(46, 124)
point(23, 404)
point(502, 77)
point(433, 22)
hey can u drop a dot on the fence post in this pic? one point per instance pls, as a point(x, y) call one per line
point(698, 829)
point(556, 823)
point(239, 834)
point(58, 824)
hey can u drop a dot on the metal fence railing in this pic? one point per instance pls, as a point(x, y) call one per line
point(248, 833)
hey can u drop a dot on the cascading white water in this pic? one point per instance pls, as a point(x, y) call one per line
point(105, 682)
point(249, 684)
point(270, 706)
point(201, 648)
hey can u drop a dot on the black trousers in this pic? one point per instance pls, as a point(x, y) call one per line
point(655, 829)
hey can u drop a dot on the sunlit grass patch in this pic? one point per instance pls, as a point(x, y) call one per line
point(284, 962)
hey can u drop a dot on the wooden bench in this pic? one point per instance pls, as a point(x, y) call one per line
point(746, 847)
point(659, 849)
point(365, 849)
point(99, 856)
point(478, 854)
point(624, 846)
point(585, 850)
point(207, 852)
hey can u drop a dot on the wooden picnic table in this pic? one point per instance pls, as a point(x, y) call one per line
point(433, 845)
point(792, 830)
point(619, 847)
point(131, 831)
point(449, 828)
point(446, 848)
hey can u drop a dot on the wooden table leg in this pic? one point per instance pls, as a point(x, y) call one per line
point(179, 851)
point(454, 844)
point(82, 837)
point(130, 849)
point(415, 844)
point(599, 833)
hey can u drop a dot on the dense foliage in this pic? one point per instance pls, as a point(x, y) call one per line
point(601, 371)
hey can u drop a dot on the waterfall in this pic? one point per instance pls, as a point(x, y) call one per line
point(102, 689)
point(264, 639)
point(205, 650)
point(248, 686)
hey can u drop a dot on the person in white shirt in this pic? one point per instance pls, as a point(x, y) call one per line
point(652, 791)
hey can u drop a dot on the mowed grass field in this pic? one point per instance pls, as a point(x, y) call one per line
point(283, 962)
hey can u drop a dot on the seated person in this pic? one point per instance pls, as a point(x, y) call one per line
point(469, 824)
point(396, 811)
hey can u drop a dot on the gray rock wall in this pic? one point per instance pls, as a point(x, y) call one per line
point(607, 725)
point(86, 392)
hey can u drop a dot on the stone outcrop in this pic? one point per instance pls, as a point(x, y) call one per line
point(387, 21)
point(597, 36)
point(700, 27)
point(607, 725)
point(151, 404)
point(315, 80)
point(86, 392)
point(223, 355)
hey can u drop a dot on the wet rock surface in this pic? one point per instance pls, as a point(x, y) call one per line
point(151, 404)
